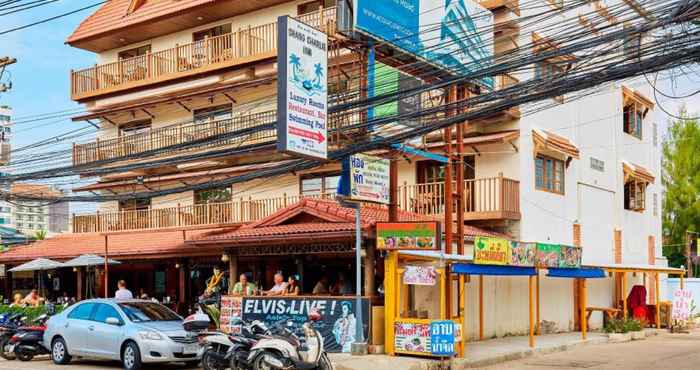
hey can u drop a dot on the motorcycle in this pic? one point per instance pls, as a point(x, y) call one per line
point(27, 342)
point(287, 351)
point(234, 350)
point(8, 328)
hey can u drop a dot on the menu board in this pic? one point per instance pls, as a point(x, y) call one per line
point(548, 255)
point(408, 235)
point(491, 251)
point(419, 275)
point(570, 257)
point(411, 337)
point(230, 310)
point(523, 254)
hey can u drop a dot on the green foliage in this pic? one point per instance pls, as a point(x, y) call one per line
point(40, 235)
point(30, 312)
point(623, 326)
point(213, 312)
point(681, 181)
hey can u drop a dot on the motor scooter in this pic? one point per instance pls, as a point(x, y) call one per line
point(27, 342)
point(7, 329)
point(286, 350)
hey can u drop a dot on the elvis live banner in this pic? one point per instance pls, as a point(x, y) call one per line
point(337, 325)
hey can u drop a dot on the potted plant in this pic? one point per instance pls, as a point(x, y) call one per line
point(636, 328)
point(617, 331)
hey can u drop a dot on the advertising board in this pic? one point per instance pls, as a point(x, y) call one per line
point(408, 235)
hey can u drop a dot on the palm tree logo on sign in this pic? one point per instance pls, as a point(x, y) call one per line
point(305, 79)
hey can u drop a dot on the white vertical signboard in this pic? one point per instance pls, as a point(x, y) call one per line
point(302, 91)
point(369, 178)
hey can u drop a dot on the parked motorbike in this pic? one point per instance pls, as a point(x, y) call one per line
point(27, 342)
point(8, 328)
point(286, 350)
point(234, 350)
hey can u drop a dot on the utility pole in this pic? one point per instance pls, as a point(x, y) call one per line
point(4, 62)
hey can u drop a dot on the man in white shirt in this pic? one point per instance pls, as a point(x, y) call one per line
point(122, 292)
point(279, 287)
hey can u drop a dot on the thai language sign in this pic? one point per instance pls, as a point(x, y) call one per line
point(337, 325)
point(491, 251)
point(368, 178)
point(419, 275)
point(414, 337)
point(230, 310)
point(302, 95)
point(408, 235)
point(456, 35)
point(682, 301)
point(442, 338)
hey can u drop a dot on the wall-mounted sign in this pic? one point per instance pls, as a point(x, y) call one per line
point(523, 254)
point(412, 337)
point(570, 256)
point(491, 251)
point(419, 275)
point(366, 178)
point(548, 255)
point(453, 35)
point(302, 95)
point(442, 338)
point(408, 235)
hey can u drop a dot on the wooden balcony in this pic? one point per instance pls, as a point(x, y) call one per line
point(237, 211)
point(173, 135)
point(486, 199)
point(243, 46)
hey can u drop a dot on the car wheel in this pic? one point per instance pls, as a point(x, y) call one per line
point(131, 356)
point(59, 352)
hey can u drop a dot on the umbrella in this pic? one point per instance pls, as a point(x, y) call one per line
point(38, 264)
point(89, 260)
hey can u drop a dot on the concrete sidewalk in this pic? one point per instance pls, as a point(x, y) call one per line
point(478, 354)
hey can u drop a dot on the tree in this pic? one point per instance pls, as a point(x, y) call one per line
point(681, 180)
point(40, 235)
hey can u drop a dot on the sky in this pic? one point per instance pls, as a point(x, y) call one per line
point(40, 79)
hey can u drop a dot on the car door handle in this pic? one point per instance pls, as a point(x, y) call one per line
point(66, 326)
point(91, 327)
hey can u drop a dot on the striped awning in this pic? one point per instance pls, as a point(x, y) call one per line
point(548, 141)
point(638, 172)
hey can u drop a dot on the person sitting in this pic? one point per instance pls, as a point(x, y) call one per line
point(279, 287)
point(122, 292)
point(292, 286)
point(321, 287)
point(33, 299)
point(342, 287)
point(243, 287)
point(17, 300)
point(143, 294)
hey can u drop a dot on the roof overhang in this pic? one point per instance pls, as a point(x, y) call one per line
point(634, 171)
point(545, 141)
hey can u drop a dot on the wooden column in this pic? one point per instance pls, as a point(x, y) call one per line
point(530, 287)
point(657, 300)
point(624, 295)
point(183, 283)
point(79, 283)
point(106, 268)
point(481, 307)
point(369, 269)
point(232, 271)
point(460, 176)
point(390, 302)
point(584, 302)
point(537, 299)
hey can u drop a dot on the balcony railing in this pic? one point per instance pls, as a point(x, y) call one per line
point(493, 198)
point(242, 46)
point(173, 135)
point(237, 211)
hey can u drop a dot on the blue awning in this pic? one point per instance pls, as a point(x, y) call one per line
point(581, 273)
point(472, 269)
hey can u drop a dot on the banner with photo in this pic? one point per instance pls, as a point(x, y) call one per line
point(419, 275)
point(523, 254)
point(337, 325)
point(408, 235)
point(548, 255)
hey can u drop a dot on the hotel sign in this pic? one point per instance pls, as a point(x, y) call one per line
point(302, 91)
point(408, 235)
point(368, 178)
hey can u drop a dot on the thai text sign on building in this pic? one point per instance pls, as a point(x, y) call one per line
point(302, 95)
point(367, 177)
point(450, 34)
point(408, 235)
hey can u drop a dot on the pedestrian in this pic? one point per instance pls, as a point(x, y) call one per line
point(279, 287)
point(122, 292)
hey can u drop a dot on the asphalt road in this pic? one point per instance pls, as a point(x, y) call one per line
point(665, 351)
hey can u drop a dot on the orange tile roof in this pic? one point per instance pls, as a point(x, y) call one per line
point(558, 143)
point(114, 14)
point(124, 245)
point(34, 189)
point(637, 171)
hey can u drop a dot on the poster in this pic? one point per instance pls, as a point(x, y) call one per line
point(411, 337)
point(337, 325)
point(230, 313)
point(523, 254)
point(548, 255)
point(491, 251)
point(302, 96)
point(419, 275)
point(408, 235)
point(570, 257)
point(450, 34)
point(442, 338)
point(368, 178)
point(682, 301)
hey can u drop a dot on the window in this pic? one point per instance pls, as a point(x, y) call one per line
point(105, 311)
point(135, 52)
point(212, 32)
point(633, 114)
point(319, 184)
point(219, 112)
point(20, 225)
point(635, 194)
point(3, 221)
point(656, 204)
point(313, 6)
point(135, 127)
point(147, 311)
point(597, 164)
point(549, 174)
point(216, 195)
point(134, 204)
point(30, 226)
point(82, 312)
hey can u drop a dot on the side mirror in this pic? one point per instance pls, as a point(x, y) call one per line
point(113, 321)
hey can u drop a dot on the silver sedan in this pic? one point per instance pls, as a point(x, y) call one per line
point(131, 331)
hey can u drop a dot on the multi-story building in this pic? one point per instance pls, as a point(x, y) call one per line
point(583, 172)
point(31, 217)
point(5, 147)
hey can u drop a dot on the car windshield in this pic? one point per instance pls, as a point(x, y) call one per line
point(148, 311)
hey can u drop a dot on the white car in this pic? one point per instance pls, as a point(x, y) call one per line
point(131, 331)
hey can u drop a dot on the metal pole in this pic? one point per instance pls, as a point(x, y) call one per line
point(106, 269)
point(359, 335)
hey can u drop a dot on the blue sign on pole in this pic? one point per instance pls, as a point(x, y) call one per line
point(442, 338)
